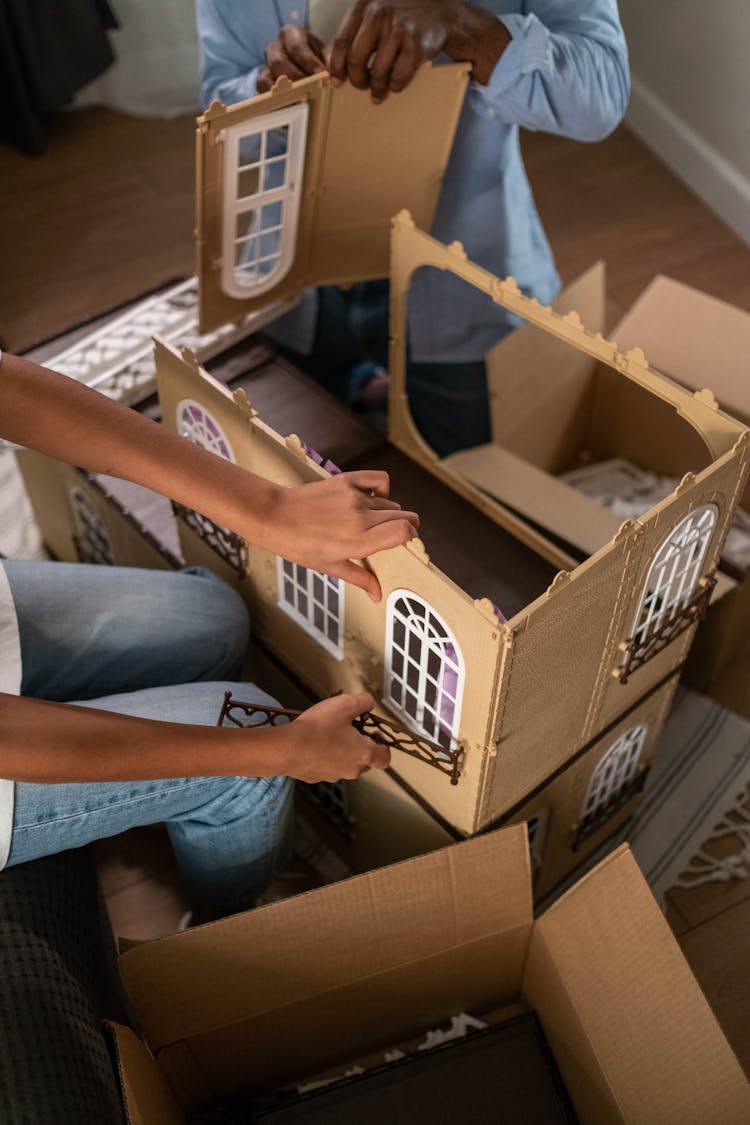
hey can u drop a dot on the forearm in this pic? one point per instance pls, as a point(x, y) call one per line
point(58, 416)
point(478, 37)
point(564, 83)
point(55, 742)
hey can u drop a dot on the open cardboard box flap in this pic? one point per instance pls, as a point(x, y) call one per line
point(685, 334)
point(633, 1034)
point(280, 993)
point(694, 338)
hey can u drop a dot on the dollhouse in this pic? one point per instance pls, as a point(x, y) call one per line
point(534, 641)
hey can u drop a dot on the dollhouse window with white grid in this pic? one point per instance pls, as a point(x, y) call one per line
point(91, 537)
point(199, 425)
point(424, 673)
point(263, 170)
point(675, 572)
point(615, 772)
point(315, 601)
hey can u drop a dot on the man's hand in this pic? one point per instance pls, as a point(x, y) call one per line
point(381, 43)
point(297, 53)
point(326, 524)
point(324, 746)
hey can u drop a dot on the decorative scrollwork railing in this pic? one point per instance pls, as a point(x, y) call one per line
point(380, 730)
point(638, 650)
point(227, 544)
point(594, 821)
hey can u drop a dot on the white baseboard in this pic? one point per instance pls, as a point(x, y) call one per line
point(719, 184)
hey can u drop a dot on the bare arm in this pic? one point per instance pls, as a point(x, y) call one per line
point(322, 525)
point(57, 742)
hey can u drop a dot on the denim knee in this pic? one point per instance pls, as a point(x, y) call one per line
point(222, 623)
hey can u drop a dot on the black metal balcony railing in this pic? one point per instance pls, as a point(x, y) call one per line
point(227, 544)
point(594, 821)
point(380, 730)
point(638, 650)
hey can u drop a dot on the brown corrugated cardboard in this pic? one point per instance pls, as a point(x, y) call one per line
point(694, 338)
point(284, 992)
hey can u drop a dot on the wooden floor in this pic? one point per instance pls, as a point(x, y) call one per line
point(107, 214)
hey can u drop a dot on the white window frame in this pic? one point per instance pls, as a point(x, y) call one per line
point(288, 194)
point(536, 827)
point(675, 572)
point(208, 441)
point(307, 582)
point(435, 644)
point(81, 503)
point(615, 771)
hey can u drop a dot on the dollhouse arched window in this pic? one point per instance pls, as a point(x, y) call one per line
point(263, 169)
point(614, 776)
point(424, 669)
point(315, 601)
point(199, 425)
point(91, 537)
point(675, 573)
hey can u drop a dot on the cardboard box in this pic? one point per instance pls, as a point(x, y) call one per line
point(282, 993)
point(542, 427)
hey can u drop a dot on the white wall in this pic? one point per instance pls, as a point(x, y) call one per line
point(690, 62)
point(156, 72)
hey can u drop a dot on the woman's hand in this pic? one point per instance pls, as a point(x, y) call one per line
point(322, 744)
point(326, 524)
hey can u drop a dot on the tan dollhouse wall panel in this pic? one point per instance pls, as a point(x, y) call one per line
point(48, 484)
point(477, 635)
point(354, 179)
point(540, 387)
point(719, 485)
point(372, 162)
point(178, 377)
point(387, 824)
point(216, 307)
point(565, 794)
point(551, 666)
point(129, 546)
point(362, 665)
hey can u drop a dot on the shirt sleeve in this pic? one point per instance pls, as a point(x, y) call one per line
point(230, 61)
point(565, 70)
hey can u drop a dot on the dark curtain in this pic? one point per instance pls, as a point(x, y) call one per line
point(49, 49)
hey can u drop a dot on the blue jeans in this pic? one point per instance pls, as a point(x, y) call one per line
point(160, 645)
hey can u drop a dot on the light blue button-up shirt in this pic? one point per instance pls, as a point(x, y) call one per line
point(565, 72)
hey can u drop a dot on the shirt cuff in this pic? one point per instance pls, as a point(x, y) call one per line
point(529, 50)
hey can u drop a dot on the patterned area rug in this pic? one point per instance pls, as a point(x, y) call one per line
point(698, 791)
